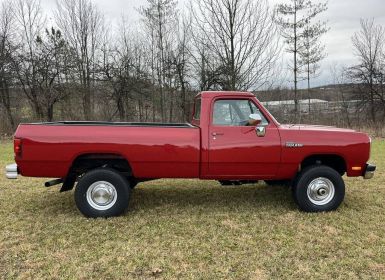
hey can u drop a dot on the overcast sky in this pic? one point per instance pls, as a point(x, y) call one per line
point(343, 18)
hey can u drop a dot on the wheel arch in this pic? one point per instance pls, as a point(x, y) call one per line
point(100, 159)
point(335, 161)
point(87, 161)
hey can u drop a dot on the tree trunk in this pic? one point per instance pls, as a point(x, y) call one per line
point(39, 112)
point(171, 106)
point(140, 109)
point(121, 110)
point(87, 105)
point(183, 93)
point(308, 84)
point(50, 112)
point(5, 100)
point(372, 109)
point(295, 59)
point(153, 106)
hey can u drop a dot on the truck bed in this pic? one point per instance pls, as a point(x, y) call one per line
point(153, 150)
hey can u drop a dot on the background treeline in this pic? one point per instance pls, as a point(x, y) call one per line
point(78, 67)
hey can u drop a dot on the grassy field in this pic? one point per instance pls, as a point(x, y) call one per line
point(191, 229)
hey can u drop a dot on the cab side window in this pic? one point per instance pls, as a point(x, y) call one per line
point(235, 112)
point(197, 109)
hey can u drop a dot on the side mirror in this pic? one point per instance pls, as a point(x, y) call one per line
point(261, 131)
point(254, 119)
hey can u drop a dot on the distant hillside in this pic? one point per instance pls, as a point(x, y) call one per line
point(328, 92)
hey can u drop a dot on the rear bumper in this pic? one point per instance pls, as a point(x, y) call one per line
point(11, 171)
point(369, 171)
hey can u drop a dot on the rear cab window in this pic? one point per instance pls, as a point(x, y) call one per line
point(197, 109)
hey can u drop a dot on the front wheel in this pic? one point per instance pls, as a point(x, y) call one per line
point(102, 192)
point(319, 188)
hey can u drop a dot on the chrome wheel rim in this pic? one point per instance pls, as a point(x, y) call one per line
point(320, 191)
point(101, 195)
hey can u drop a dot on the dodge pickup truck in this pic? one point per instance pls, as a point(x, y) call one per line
point(232, 138)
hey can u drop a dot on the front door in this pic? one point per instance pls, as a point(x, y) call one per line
point(235, 150)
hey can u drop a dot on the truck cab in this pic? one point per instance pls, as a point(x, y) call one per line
point(231, 148)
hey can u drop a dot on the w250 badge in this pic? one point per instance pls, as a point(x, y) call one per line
point(293, 145)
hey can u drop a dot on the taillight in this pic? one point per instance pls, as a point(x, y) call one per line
point(17, 147)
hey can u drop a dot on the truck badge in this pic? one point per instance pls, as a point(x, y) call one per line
point(293, 145)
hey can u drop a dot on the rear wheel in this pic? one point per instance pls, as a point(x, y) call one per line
point(102, 192)
point(319, 188)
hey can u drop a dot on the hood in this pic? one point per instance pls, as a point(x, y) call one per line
point(306, 127)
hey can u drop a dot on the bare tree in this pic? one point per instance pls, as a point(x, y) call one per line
point(340, 80)
point(240, 35)
point(30, 21)
point(181, 64)
point(159, 17)
point(125, 69)
point(82, 25)
point(368, 75)
point(54, 63)
point(7, 48)
point(204, 65)
point(293, 19)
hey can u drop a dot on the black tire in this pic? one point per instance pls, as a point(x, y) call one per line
point(120, 189)
point(327, 195)
point(286, 183)
point(132, 182)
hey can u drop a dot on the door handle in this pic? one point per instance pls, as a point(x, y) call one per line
point(217, 134)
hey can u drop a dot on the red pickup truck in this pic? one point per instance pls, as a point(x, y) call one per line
point(232, 138)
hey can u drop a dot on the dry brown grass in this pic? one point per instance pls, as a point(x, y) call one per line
point(192, 229)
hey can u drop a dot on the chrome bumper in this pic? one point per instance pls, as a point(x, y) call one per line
point(11, 171)
point(369, 171)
